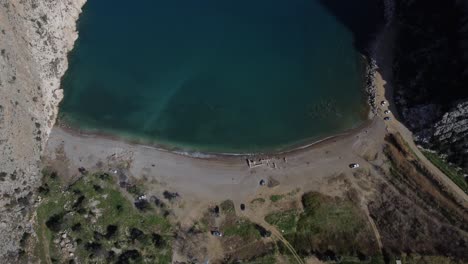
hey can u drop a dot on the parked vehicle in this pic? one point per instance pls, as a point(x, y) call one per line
point(216, 233)
point(354, 165)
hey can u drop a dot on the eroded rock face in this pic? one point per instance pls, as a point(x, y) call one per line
point(451, 134)
point(35, 37)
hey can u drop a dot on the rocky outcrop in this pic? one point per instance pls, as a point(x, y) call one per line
point(450, 134)
point(431, 74)
point(36, 36)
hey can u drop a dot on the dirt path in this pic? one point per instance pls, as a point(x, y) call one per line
point(408, 137)
point(45, 246)
point(375, 230)
point(280, 237)
point(385, 93)
point(258, 219)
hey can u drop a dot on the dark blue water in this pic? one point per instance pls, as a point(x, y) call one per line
point(214, 75)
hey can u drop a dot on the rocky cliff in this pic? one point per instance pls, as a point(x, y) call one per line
point(35, 37)
point(431, 74)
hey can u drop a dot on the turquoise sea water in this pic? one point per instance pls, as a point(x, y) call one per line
point(214, 75)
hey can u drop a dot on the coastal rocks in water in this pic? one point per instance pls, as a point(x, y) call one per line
point(36, 37)
point(371, 88)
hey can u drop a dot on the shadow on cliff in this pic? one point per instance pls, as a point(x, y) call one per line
point(363, 18)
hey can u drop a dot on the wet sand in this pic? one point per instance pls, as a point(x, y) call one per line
point(304, 146)
point(218, 177)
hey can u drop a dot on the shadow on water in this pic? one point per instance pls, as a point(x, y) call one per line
point(363, 18)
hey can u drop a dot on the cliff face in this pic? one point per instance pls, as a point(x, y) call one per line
point(35, 37)
point(431, 74)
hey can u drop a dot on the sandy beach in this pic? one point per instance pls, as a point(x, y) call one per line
point(218, 177)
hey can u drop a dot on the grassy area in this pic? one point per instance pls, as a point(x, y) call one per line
point(236, 226)
point(455, 175)
point(379, 259)
point(276, 197)
point(242, 228)
point(268, 259)
point(417, 259)
point(227, 206)
point(242, 240)
point(285, 221)
point(325, 219)
point(100, 223)
point(332, 226)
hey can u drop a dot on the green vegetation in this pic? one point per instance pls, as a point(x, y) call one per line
point(227, 206)
point(99, 223)
point(355, 260)
point(452, 172)
point(333, 227)
point(327, 214)
point(242, 228)
point(267, 259)
point(240, 239)
point(135, 190)
point(417, 259)
point(236, 226)
point(285, 221)
point(276, 197)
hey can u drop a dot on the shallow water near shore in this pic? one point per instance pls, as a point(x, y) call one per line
point(215, 76)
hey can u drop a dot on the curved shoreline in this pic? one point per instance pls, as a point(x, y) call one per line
point(294, 148)
point(267, 144)
point(368, 91)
